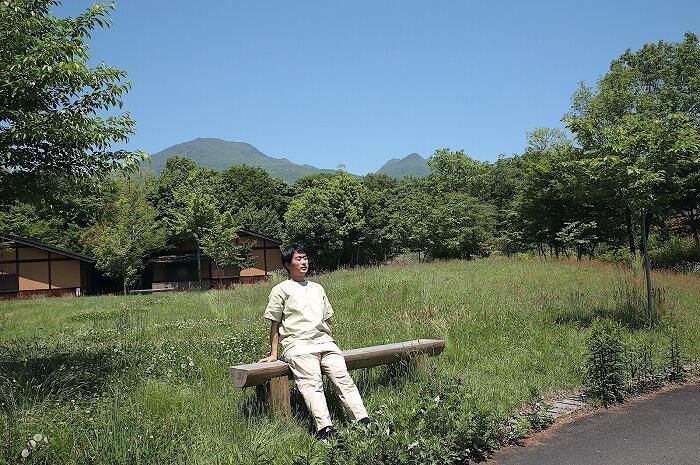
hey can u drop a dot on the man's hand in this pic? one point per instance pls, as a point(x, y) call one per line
point(269, 358)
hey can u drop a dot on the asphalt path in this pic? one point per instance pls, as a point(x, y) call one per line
point(663, 428)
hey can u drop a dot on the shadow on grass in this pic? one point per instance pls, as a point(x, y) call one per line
point(57, 377)
point(632, 318)
point(628, 308)
point(368, 380)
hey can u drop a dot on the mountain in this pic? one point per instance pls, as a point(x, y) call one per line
point(220, 155)
point(412, 165)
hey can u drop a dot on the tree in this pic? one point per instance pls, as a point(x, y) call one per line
point(378, 238)
point(261, 220)
point(328, 217)
point(457, 172)
point(460, 226)
point(247, 186)
point(181, 173)
point(504, 192)
point(639, 130)
point(409, 214)
point(57, 214)
point(193, 215)
point(220, 243)
point(50, 98)
point(581, 236)
point(122, 241)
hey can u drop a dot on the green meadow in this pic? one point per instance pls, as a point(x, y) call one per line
point(143, 379)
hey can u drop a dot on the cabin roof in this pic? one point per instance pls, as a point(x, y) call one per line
point(48, 248)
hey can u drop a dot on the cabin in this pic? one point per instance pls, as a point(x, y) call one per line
point(182, 266)
point(29, 268)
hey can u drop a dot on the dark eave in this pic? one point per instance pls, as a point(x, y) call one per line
point(48, 248)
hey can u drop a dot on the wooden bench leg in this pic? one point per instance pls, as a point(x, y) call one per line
point(280, 405)
point(422, 363)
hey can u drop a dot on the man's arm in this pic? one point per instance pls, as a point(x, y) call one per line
point(274, 341)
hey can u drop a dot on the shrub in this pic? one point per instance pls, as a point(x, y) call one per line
point(676, 372)
point(677, 254)
point(616, 255)
point(605, 368)
point(444, 426)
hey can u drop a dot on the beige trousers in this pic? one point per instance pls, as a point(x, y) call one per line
point(307, 369)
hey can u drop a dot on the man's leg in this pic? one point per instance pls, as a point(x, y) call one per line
point(333, 365)
point(307, 374)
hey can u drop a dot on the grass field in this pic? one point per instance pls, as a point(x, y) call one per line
point(143, 379)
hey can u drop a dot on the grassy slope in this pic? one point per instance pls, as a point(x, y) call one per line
point(145, 377)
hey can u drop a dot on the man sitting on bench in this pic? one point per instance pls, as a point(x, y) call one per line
point(300, 317)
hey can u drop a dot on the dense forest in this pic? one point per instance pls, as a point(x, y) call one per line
point(629, 172)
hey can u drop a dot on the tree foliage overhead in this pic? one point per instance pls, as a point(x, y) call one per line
point(640, 128)
point(51, 101)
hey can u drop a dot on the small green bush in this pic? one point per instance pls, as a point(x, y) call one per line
point(616, 255)
point(677, 254)
point(605, 368)
point(676, 372)
point(444, 426)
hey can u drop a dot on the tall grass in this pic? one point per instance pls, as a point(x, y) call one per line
point(143, 379)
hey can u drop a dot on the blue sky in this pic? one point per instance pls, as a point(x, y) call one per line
point(357, 83)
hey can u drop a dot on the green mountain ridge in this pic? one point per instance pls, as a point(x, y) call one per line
point(220, 155)
point(412, 165)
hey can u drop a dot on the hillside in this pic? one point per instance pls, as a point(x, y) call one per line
point(147, 375)
point(412, 165)
point(220, 155)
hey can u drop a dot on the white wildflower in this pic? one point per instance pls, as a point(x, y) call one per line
point(25, 453)
point(32, 443)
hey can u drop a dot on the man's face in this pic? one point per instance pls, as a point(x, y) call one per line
point(299, 265)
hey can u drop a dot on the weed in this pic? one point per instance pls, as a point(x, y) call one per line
point(605, 364)
point(676, 371)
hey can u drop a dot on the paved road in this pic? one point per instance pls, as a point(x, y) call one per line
point(662, 429)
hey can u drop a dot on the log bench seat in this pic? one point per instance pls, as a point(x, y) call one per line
point(278, 373)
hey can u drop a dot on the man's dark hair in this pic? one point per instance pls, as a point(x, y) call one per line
point(289, 251)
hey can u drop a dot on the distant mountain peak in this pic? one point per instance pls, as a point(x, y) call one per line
point(220, 154)
point(410, 165)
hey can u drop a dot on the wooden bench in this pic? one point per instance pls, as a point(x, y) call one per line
point(278, 373)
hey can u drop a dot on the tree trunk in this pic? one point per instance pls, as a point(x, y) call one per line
point(630, 231)
point(199, 267)
point(592, 251)
point(647, 267)
point(125, 290)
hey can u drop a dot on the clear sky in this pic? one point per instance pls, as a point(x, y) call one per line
point(359, 82)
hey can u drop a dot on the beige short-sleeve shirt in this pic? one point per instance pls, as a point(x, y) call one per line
point(302, 309)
